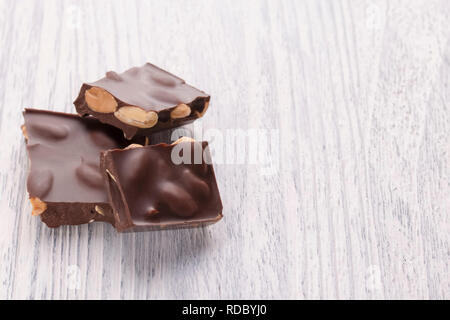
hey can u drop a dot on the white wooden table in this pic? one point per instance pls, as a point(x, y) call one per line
point(358, 94)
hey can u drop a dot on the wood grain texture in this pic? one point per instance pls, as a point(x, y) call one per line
point(359, 93)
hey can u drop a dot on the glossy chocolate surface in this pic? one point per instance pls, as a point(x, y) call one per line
point(148, 87)
point(64, 151)
point(148, 191)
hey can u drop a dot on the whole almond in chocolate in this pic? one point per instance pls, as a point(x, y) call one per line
point(142, 100)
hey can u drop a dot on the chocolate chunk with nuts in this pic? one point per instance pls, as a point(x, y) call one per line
point(65, 184)
point(148, 191)
point(142, 100)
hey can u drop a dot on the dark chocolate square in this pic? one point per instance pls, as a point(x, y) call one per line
point(148, 191)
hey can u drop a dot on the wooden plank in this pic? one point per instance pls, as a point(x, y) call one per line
point(356, 95)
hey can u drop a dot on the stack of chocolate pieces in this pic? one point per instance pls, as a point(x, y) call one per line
point(98, 166)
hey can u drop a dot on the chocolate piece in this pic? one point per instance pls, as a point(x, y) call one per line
point(142, 100)
point(148, 191)
point(65, 184)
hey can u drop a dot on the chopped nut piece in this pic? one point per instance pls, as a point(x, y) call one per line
point(100, 100)
point(183, 139)
point(152, 211)
point(180, 111)
point(24, 131)
point(137, 117)
point(111, 175)
point(38, 206)
point(134, 146)
point(99, 210)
